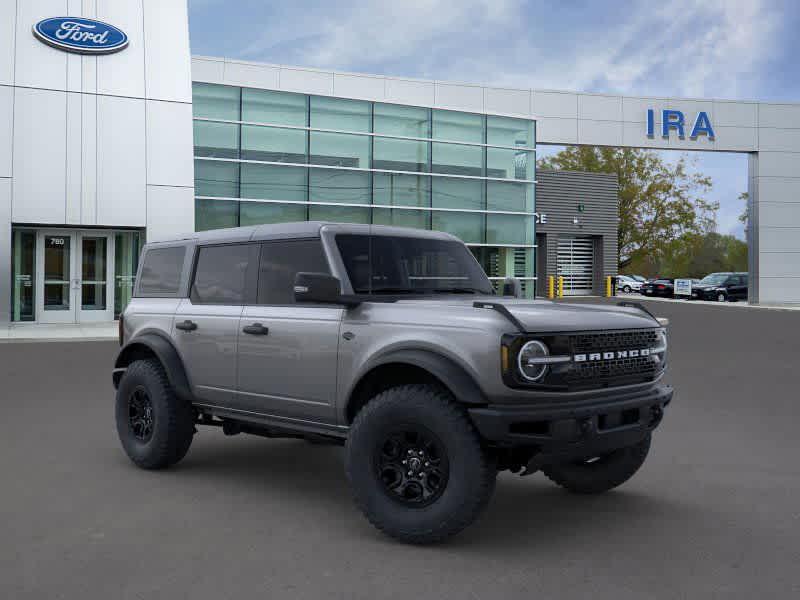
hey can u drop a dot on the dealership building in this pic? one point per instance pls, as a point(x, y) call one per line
point(112, 134)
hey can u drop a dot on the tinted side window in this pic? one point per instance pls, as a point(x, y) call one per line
point(281, 261)
point(161, 271)
point(219, 277)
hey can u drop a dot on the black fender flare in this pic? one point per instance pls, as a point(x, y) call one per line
point(452, 375)
point(165, 352)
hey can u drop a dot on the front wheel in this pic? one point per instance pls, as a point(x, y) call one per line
point(601, 473)
point(721, 297)
point(626, 289)
point(416, 465)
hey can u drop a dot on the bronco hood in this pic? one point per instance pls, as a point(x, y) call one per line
point(541, 316)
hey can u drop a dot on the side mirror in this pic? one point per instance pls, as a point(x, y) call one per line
point(317, 287)
point(512, 287)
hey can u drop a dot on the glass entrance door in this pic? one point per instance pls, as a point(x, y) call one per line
point(73, 275)
point(55, 277)
point(94, 299)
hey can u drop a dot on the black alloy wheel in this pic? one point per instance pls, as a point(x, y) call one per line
point(140, 414)
point(412, 465)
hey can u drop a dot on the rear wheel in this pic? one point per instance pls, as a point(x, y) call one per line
point(154, 426)
point(601, 473)
point(416, 465)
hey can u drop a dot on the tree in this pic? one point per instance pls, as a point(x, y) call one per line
point(659, 202)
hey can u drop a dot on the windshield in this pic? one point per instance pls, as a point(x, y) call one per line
point(714, 279)
point(384, 264)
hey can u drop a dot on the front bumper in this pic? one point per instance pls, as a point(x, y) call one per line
point(562, 430)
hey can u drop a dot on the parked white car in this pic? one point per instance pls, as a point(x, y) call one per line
point(627, 284)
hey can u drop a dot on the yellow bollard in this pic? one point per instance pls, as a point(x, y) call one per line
point(608, 286)
point(561, 286)
point(551, 287)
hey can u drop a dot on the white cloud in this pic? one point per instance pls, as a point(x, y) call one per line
point(687, 47)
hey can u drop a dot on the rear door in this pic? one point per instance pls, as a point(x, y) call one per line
point(739, 287)
point(206, 325)
point(288, 351)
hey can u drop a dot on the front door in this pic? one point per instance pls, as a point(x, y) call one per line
point(287, 352)
point(73, 271)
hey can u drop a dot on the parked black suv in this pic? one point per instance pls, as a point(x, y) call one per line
point(721, 287)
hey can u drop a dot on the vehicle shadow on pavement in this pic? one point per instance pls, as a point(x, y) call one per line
point(523, 513)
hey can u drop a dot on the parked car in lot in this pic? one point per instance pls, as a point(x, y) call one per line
point(628, 284)
point(390, 342)
point(662, 288)
point(721, 287)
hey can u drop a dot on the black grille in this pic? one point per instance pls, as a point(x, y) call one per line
point(612, 370)
point(635, 339)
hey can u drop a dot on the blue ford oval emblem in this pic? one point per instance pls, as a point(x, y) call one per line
point(76, 34)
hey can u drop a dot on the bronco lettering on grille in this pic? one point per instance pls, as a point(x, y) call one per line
point(595, 356)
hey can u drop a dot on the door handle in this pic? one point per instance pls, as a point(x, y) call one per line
point(187, 325)
point(256, 329)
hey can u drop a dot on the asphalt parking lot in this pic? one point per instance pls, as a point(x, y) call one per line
point(713, 513)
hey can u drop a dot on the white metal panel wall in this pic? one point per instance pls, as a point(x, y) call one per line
point(39, 156)
point(121, 166)
point(121, 73)
point(170, 211)
point(37, 65)
point(169, 144)
point(167, 58)
point(6, 128)
point(8, 24)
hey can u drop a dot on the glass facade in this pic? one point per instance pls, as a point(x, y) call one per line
point(264, 156)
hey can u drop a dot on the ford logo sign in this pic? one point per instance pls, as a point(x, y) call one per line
point(84, 36)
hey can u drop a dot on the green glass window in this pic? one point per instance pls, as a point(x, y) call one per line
point(339, 149)
point(400, 155)
point(509, 229)
point(507, 131)
point(457, 126)
point(280, 108)
point(215, 214)
point(215, 101)
point(401, 190)
point(419, 219)
point(406, 121)
point(337, 113)
point(457, 159)
point(339, 214)
point(273, 182)
point(467, 226)
point(273, 144)
point(216, 178)
point(509, 164)
point(220, 140)
point(259, 213)
point(338, 185)
point(451, 192)
point(23, 261)
point(502, 195)
point(127, 247)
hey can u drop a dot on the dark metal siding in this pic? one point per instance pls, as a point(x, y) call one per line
point(558, 195)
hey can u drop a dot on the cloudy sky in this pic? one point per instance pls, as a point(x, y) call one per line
point(740, 49)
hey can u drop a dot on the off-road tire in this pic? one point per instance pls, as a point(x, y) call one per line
point(471, 477)
point(605, 473)
point(172, 418)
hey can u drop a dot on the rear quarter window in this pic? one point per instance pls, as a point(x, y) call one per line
point(161, 270)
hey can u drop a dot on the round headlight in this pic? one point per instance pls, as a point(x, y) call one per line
point(529, 360)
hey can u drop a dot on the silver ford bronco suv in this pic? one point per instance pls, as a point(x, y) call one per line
point(391, 342)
